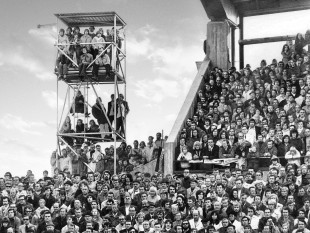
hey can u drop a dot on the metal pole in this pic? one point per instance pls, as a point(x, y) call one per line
point(241, 46)
point(63, 107)
point(115, 77)
point(68, 112)
point(86, 108)
point(69, 103)
point(232, 28)
point(57, 126)
point(73, 107)
point(125, 86)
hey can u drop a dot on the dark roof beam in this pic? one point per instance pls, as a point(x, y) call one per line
point(219, 10)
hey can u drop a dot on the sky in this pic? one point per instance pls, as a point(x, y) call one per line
point(164, 39)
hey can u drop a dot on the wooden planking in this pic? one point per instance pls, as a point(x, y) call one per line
point(266, 40)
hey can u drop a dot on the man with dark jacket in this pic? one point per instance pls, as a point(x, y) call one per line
point(213, 150)
point(78, 219)
point(61, 220)
point(99, 112)
point(89, 221)
point(47, 221)
point(111, 109)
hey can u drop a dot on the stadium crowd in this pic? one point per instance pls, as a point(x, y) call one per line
point(244, 115)
point(254, 116)
point(89, 156)
point(99, 125)
point(90, 50)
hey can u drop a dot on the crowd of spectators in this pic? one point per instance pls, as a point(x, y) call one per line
point(99, 128)
point(90, 157)
point(83, 49)
point(246, 115)
point(258, 117)
point(233, 201)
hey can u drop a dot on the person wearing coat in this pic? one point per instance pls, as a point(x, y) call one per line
point(99, 112)
point(293, 156)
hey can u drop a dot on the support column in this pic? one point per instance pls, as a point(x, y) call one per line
point(233, 48)
point(217, 43)
point(241, 46)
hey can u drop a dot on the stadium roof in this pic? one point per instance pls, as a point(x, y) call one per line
point(261, 7)
point(91, 19)
point(218, 10)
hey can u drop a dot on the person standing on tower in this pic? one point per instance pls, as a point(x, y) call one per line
point(98, 111)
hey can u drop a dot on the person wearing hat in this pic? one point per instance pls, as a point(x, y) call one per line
point(151, 212)
point(50, 228)
point(275, 163)
point(68, 188)
point(89, 222)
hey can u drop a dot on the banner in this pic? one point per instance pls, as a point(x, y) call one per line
point(221, 162)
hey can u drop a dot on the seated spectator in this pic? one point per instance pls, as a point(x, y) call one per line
point(87, 39)
point(67, 128)
point(63, 63)
point(225, 150)
point(293, 156)
point(275, 163)
point(85, 60)
point(213, 150)
point(79, 104)
point(197, 152)
point(97, 43)
point(102, 60)
point(185, 156)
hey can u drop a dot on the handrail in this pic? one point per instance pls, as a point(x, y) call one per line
point(187, 111)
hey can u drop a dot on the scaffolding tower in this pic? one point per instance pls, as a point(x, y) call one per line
point(88, 85)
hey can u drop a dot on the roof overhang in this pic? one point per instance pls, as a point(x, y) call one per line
point(262, 7)
point(231, 9)
point(103, 19)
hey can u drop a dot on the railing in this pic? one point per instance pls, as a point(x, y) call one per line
point(186, 112)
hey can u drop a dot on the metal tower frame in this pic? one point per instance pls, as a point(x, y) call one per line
point(74, 84)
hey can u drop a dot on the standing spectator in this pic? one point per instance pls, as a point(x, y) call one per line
point(122, 111)
point(299, 44)
point(99, 112)
point(286, 53)
point(111, 109)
